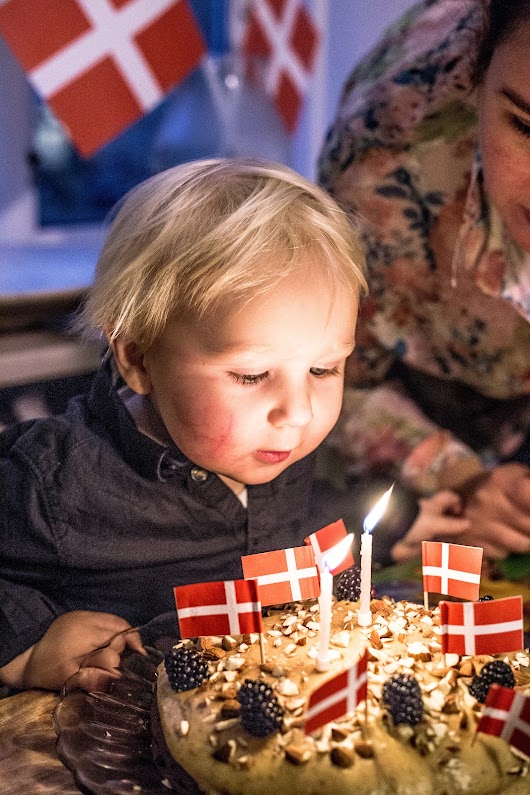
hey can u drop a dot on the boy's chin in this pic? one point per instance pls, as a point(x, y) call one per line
point(238, 480)
point(261, 475)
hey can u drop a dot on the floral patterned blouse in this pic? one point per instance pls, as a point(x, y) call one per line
point(449, 293)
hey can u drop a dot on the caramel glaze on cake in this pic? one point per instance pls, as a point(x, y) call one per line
point(362, 753)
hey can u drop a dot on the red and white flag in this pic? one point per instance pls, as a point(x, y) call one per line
point(451, 569)
point(284, 36)
point(337, 696)
point(492, 627)
point(328, 537)
point(101, 64)
point(506, 714)
point(226, 607)
point(285, 575)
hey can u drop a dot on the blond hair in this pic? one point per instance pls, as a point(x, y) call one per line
point(196, 236)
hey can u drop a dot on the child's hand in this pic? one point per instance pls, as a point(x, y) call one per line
point(439, 517)
point(67, 641)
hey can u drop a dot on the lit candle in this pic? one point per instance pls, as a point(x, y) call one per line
point(364, 616)
point(328, 561)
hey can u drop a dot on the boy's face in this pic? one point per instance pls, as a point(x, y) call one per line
point(262, 387)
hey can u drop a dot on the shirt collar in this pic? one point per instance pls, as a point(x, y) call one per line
point(147, 456)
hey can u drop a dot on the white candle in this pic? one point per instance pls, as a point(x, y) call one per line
point(328, 561)
point(364, 616)
point(324, 601)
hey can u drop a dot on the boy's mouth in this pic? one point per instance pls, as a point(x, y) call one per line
point(272, 456)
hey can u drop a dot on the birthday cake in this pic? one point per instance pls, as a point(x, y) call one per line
point(241, 725)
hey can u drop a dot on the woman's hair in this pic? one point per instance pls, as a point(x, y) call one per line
point(502, 18)
point(199, 236)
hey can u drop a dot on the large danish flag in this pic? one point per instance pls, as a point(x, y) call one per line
point(506, 714)
point(328, 537)
point(225, 607)
point(101, 64)
point(283, 34)
point(451, 569)
point(492, 627)
point(285, 575)
point(338, 696)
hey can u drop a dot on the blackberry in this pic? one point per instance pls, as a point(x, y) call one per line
point(260, 714)
point(402, 698)
point(185, 668)
point(486, 598)
point(495, 672)
point(479, 689)
point(349, 585)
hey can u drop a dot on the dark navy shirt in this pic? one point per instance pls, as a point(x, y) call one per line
point(95, 515)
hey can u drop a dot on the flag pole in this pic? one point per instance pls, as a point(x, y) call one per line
point(262, 647)
point(426, 600)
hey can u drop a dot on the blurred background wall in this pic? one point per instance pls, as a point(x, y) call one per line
point(350, 28)
point(52, 201)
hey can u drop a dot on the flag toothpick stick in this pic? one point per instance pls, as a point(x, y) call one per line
point(262, 648)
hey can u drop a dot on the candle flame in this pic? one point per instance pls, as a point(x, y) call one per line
point(336, 554)
point(377, 511)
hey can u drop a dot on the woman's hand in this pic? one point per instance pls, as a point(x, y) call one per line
point(65, 646)
point(439, 518)
point(499, 512)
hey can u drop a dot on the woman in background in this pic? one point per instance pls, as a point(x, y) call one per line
point(430, 149)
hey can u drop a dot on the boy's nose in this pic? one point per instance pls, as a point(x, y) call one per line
point(292, 407)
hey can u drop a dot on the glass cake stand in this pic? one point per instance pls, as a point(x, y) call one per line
point(103, 723)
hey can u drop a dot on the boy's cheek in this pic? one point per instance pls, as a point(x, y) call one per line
point(218, 434)
point(207, 429)
point(332, 409)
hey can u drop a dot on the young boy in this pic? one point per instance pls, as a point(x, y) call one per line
point(228, 293)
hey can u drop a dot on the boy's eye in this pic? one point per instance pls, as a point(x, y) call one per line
point(322, 372)
point(520, 126)
point(249, 380)
point(252, 380)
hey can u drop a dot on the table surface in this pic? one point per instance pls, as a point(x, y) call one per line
point(28, 760)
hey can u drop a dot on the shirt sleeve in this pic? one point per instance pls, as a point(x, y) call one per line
point(25, 615)
point(28, 559)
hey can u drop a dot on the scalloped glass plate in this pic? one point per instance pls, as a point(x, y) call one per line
point(103, 723)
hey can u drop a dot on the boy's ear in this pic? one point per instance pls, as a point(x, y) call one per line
point(130, 363)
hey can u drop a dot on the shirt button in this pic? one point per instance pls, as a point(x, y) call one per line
point(198, 475)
